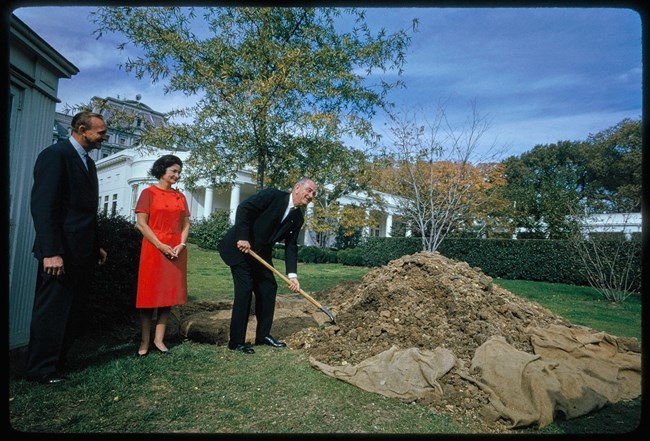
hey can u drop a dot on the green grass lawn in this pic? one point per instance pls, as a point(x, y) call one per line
point(207, 389)
point(582, 305)
point(208, 278)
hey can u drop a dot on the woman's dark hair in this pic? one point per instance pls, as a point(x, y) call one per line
point(162, 164)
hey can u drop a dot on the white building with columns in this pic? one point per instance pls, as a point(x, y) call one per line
point(123, 176)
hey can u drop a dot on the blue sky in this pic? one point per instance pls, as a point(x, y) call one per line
point(540, 75)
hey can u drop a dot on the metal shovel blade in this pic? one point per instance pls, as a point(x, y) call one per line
point(329, 314)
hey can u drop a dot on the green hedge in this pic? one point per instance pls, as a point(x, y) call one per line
point(531, 259)
point(312, 254)
point(352, 257)
point(377, 251)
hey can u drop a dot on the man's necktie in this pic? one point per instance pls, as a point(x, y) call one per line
point(90, 164)
point(92, 170)
point(289, 213)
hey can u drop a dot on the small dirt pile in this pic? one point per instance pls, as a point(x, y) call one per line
point(425, 301)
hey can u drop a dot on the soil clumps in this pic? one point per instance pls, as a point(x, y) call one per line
point(426, 301)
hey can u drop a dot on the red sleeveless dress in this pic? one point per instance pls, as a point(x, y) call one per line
point(161, 281)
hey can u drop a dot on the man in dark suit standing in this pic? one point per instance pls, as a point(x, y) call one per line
point(64, 203)
point(263, 219)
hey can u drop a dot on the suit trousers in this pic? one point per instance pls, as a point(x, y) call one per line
point(57, 317)
point(251, 277)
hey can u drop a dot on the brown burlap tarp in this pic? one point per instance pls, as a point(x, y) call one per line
point(572, 372)
point(407, 374)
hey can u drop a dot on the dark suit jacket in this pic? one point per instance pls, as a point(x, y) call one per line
point(259, 221)
point(64, 203)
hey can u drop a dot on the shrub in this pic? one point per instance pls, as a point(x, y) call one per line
point(207, 233)
point(351, 257)
point(312, 254)
point(330, 256)
point(113, 288)
point(278, 252)
point(379, 251)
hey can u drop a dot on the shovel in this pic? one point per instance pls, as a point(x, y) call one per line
point(288, 282)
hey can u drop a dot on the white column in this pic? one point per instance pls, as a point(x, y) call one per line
point(134, 200)
point(307, 236)
point(389, 225)
point(235, 192)
point(207, 203)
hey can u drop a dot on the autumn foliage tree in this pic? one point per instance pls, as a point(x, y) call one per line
point(430, 168)
point(332, 222)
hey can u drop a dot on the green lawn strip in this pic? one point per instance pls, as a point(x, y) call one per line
point(582, 305)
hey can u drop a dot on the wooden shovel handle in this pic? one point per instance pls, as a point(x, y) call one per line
point(283, 277)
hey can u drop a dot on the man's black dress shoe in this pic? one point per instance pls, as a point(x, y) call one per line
point(244, 348)
point(53, 378)
point(268, 340)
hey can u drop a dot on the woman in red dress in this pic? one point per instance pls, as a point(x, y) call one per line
point(163, 218)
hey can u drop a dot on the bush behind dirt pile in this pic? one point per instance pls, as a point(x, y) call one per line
point(539, 260)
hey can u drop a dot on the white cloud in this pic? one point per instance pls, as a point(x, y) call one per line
point(542, 74)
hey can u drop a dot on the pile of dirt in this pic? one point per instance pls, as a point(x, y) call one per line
point(425, 301)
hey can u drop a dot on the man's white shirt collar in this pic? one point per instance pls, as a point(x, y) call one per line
point(82, 152)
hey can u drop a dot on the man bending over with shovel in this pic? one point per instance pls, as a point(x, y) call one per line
point(263, 219)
